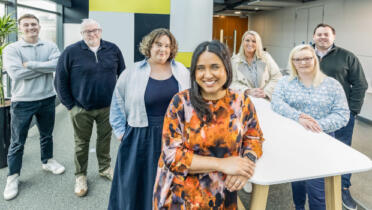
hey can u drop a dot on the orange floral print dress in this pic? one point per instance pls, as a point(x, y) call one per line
point(233, 130)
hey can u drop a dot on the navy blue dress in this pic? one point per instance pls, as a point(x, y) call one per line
point(139, 151)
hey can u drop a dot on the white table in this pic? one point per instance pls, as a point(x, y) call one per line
point(292, 153)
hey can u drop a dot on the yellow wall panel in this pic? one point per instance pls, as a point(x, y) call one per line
point(184, 58)
point(131, 6)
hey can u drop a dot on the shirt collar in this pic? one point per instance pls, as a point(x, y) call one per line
point(320, 54)
point(26, 44)
point(84, 45)
point(253, 61)
point(144, 62)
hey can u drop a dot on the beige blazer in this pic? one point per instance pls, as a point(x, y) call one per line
point(267, 70)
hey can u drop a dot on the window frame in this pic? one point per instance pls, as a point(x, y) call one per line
point(11, 8)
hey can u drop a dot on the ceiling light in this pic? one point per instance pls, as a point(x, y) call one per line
point(238, 12)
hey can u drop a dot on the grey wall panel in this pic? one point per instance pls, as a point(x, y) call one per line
point(191, 30)
point(118, 27)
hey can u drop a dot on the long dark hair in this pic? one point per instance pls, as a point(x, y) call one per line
point(200, 105)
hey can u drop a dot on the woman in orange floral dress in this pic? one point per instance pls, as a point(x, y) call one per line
point(211, 137)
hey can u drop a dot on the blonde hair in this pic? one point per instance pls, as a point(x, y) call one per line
point(319, 75)
point(149, 39)
point(259, 49)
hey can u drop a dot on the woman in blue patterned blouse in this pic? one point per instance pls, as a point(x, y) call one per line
point(318, 103)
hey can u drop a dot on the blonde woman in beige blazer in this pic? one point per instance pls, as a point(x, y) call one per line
point(253, 68)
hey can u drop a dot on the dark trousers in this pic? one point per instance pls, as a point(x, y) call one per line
point(82, 121)
point(21, 116)
point(314, 188)
point(345, 135)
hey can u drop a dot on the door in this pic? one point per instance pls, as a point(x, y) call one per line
point(305, 21)
point(230, 25)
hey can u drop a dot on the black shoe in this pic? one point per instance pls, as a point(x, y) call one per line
point(347, 201)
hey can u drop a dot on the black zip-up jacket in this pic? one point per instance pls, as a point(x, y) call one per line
point(88, 79)
point(345, 67)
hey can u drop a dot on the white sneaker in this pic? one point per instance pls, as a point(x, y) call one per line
point(81, 187)
point(108, 173)
point(54, 167)
point(247, 187)
point(11, 188)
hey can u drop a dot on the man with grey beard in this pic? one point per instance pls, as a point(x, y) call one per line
point(85, 80)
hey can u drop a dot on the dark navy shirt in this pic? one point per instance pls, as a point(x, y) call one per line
point(158, 94)
point(86, 79)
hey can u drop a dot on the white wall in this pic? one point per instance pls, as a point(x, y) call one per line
point(191, 22)
point(118, 27)
point(351, 19)
point(71, 33)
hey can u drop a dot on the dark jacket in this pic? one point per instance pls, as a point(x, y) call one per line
point(345, 67)
point(86, 79)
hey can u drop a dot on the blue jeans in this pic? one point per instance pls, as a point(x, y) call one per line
point(345, 135)
point(21, 116)
point(314, 188)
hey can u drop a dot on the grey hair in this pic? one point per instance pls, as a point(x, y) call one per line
point(87, 22)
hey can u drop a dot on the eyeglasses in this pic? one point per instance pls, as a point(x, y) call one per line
point(299, 60)
point(94, 31)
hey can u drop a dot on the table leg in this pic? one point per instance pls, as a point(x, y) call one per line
point(240, 204)
point(259, 197)
point(332, 187)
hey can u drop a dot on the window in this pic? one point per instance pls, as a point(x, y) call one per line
point(42, 4)
point(2, 9)
point(48, 22)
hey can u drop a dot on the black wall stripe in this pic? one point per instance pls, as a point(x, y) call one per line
point(144, 24)
point(79, 10)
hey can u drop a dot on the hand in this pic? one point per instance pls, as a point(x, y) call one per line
point(306, 116)
point(257, 92)
point(24, 64)
point(235, 183)
point(236, 165)
point(120, 137)
point(310, 124)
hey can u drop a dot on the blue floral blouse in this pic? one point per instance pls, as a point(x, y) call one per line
point(326, 103)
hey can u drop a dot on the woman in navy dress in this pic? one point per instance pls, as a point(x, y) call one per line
point(139, 103)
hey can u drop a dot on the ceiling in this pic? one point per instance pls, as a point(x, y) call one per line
point(246, 7)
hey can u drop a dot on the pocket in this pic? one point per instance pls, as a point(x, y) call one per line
point(75, 111)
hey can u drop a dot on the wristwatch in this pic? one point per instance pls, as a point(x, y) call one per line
point(250, 156)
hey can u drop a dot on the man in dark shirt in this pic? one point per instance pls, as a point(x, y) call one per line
point(85, 80)
point(345, 67)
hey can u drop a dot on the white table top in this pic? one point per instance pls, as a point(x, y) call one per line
point(292, 153)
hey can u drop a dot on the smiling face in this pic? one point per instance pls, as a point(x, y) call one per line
point(210, 74)
point(304, 62)
point(249, 44)
point(29, 28)
point(92, 34)
point(323, 38)
point(160, 50)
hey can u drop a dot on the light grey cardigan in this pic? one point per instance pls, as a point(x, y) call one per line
point(130, 90)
